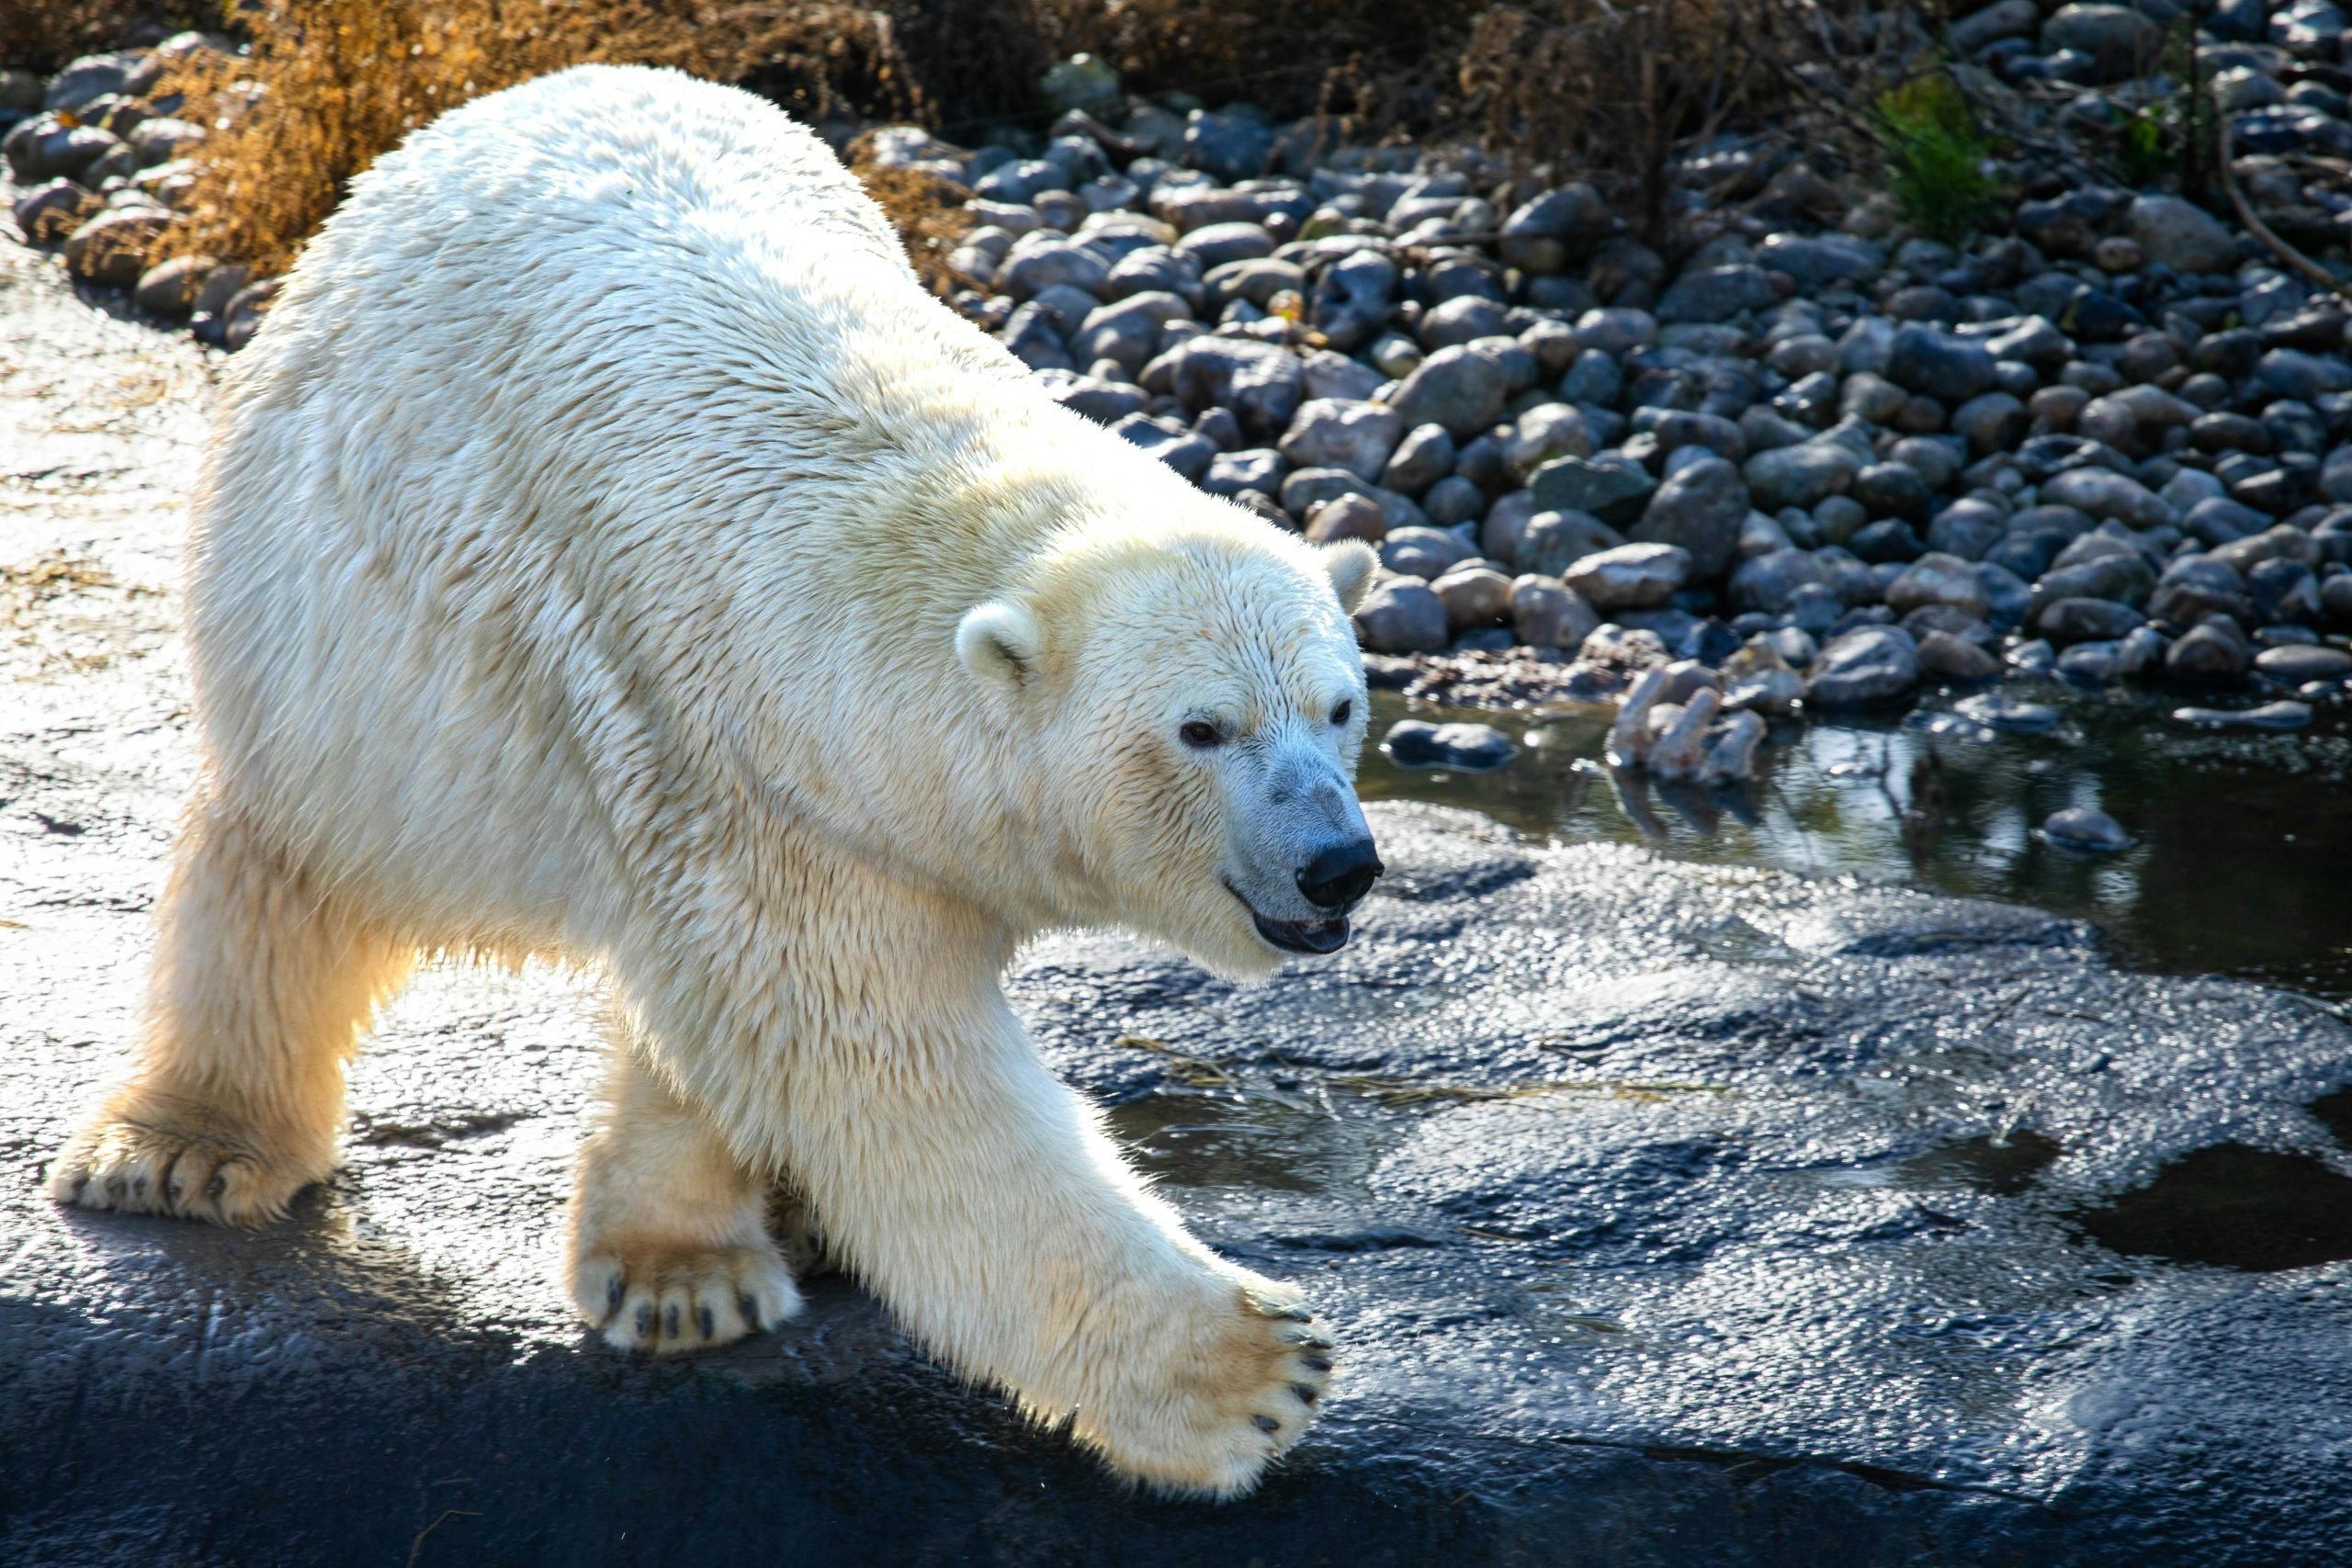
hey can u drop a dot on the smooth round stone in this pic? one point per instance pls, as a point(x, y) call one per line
point(1945, 657)
point(1464, 748)
point(1402, 616)
point(2009, 713)
point(2269, 716)
point(2298, 662)
point(2080, 828)
point(2092, 663)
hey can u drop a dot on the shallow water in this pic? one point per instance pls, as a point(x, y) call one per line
point(2242, 863)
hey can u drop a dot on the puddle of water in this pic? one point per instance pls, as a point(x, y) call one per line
point(2240, 838)
point(1228, 1138)
point(2005, 1166)
point(2235, 1206)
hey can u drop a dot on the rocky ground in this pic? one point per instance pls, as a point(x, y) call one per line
point(1670, 1214)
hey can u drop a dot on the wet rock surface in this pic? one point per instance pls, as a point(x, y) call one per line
point(1669, 1212)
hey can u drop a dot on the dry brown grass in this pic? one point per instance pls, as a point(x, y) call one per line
point(1613, 89)
point(339, 84)
point(42, 35)
point(927, 211)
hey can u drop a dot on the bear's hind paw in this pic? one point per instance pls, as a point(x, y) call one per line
point(670, 1301)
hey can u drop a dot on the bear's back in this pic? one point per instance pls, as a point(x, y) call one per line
point(610, 387)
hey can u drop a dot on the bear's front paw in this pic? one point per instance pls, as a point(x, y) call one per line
point(1229, 1396)
point(669, 1298)
point(190, 1165)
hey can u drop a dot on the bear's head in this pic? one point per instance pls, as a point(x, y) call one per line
point(1196, 697)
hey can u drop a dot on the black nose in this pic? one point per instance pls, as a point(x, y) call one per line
point(1340, 874)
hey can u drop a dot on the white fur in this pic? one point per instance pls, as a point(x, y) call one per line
point(609, 550)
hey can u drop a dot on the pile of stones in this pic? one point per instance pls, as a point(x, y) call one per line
point(103, 166)
point(1818, 462)
point(1814, 461)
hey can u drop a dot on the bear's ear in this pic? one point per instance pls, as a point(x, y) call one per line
point(1350, 564)
point(1000, 642)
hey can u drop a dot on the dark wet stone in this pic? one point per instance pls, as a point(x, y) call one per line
point(1184, 450)
point(1949, 369)
point(1698, 508)
point(2181, 236)
point(48, 211)
point(1228, 145)
point(2123, 576)
point(2284, 590)
point(1457, 387)
point(1614, 489)
point(1819, 261)
point(1629, 577)
point(1946, 655)
point(2080, 828)
point(1467, 748)
point(1967, 528)
point(1894, 489)
point(1423, 551)
point(1875, 664)
point(2269, 716)
point(1402, 616)
point(1886, 541)
point(2085, 620)
point(1541, 235)
point(1802, 474)
point(1552, 542)
point(2013, 715)
point(1770, 583)
point(2306, 661)
point(1717, 294)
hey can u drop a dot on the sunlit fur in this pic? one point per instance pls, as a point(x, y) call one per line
point(579, 570)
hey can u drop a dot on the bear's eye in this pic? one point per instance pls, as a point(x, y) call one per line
point(1344, 712)
point(1201, 734)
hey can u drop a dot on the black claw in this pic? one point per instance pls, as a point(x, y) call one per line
point(139, 1188)
point(1305, 1393)
point(113, 1188)
point(645, 1321)
point(750, 1307)
point(670, 1322)
point(1316, 1363)
point(613, 1293)
point(1312, 1343)
point(217, 1185)
point(709, 1322)
point(1265, 1423)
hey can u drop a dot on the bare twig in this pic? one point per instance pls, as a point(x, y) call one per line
point(2256, 227)
point(418, 1544)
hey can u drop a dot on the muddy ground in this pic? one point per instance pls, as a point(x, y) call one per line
point(1671, 1214)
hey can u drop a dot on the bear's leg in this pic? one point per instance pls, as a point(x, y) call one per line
point(669, 1248)
point(263, 978)
point(981, 1198)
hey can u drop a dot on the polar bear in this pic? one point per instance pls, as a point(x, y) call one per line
point(600, 474)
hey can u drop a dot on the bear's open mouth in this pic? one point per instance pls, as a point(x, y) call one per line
point(1297, 936)
point(1304, 936)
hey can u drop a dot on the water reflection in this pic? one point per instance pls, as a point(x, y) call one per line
point(2242, 841)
